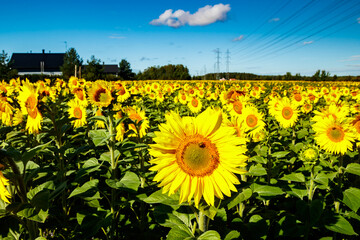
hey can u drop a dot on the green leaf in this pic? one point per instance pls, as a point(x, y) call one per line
point(159, 197)
point(298, 192)
point(316, 209)
point(280, 154)
point(99, 137)
point(302, 133)
point(178, 233)
point(266, 190)
point(130, 181)
point(29, 212)
point(88, 189)
point(46, 185)
point(41, 200)
point(232, 235)
point(209, 235)
point(244, 195)
point(352, 198)
point(258, 159)
point(294, 177)
point(340, 225)
point(29, 154)
point(256, 170)
point(322, 178)
point(353, 168)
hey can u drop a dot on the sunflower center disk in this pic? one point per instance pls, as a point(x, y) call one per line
point(77, 113)
point(31, 104)
point(287, 113)
point(251, 121)
point(335, 134)
point(197, 156)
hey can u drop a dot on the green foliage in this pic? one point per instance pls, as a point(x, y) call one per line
point(71, 59)
point(6, 72)
point(93, 70)
point(170, 71)
point(125, 71)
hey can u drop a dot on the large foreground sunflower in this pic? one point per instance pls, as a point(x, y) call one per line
point(197, 155)
point(4, 194)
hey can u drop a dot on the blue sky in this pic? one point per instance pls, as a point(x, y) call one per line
point(262, 36)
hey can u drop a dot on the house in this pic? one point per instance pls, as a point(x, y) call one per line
point(37, 63)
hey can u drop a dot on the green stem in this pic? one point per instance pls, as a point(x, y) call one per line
point(340, 180)
point(311, 189)
point(111, 146)
point(31, 226)
point(202, 221)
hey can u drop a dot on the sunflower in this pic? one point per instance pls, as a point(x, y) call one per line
point(334, 136)
point(194, 104)
point(77, 110)
point(287, 113)
point(6, 111)
point(183, 98)
point(100, 94)
point(28, 99)
point(137, 115)
point(252, 120)
point(198, 156)
point(4, 194)
point(79, 93)
point(122, 92)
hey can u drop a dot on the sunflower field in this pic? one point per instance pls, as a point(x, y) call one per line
point(179, 160)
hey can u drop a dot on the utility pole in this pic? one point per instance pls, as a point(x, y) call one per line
point(65, 45)
point(217, 64)
point(204, 72)
point(227, 64)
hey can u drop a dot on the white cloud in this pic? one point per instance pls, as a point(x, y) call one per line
point(274, 20)
point(353, 65)
point(358, 20)
point(204, 16)
point(351, 58)
point(308, 42)
point(239, 38)
point(116, 36)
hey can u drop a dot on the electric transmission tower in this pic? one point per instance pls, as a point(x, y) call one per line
point(217, 64)
point(227, 64)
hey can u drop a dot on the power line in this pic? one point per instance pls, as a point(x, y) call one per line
point(284, 22)
point(217, 63)
point(312, 31)
point(311, 35)
point(227, 64)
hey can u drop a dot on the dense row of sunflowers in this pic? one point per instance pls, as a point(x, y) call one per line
point(194, 138)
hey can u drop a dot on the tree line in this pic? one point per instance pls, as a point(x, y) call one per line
point(94, 69)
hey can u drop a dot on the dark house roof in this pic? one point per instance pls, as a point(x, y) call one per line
point(31, 62)
point(112, 69)
point(107, 68)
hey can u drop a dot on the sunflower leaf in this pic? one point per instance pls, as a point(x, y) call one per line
point(352, 198)
point(353, 168)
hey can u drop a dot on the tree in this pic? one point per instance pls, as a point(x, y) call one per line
point(5, 67)
point(125, 71)
point(71, 59)
point(94, 70)
point(167, 72)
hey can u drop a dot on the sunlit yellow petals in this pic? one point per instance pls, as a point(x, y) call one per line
point(100, 94)
point(4, 193)
point(199, 154)
point(334, 136)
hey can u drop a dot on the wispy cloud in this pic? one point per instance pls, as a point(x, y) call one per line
point(204, 16)
point(147, 59)
point(239, 38)
point(351, 58)
point(358, 20)
point(116, 36)
point(274, 20)
point(308, 42)
point(353, 65)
